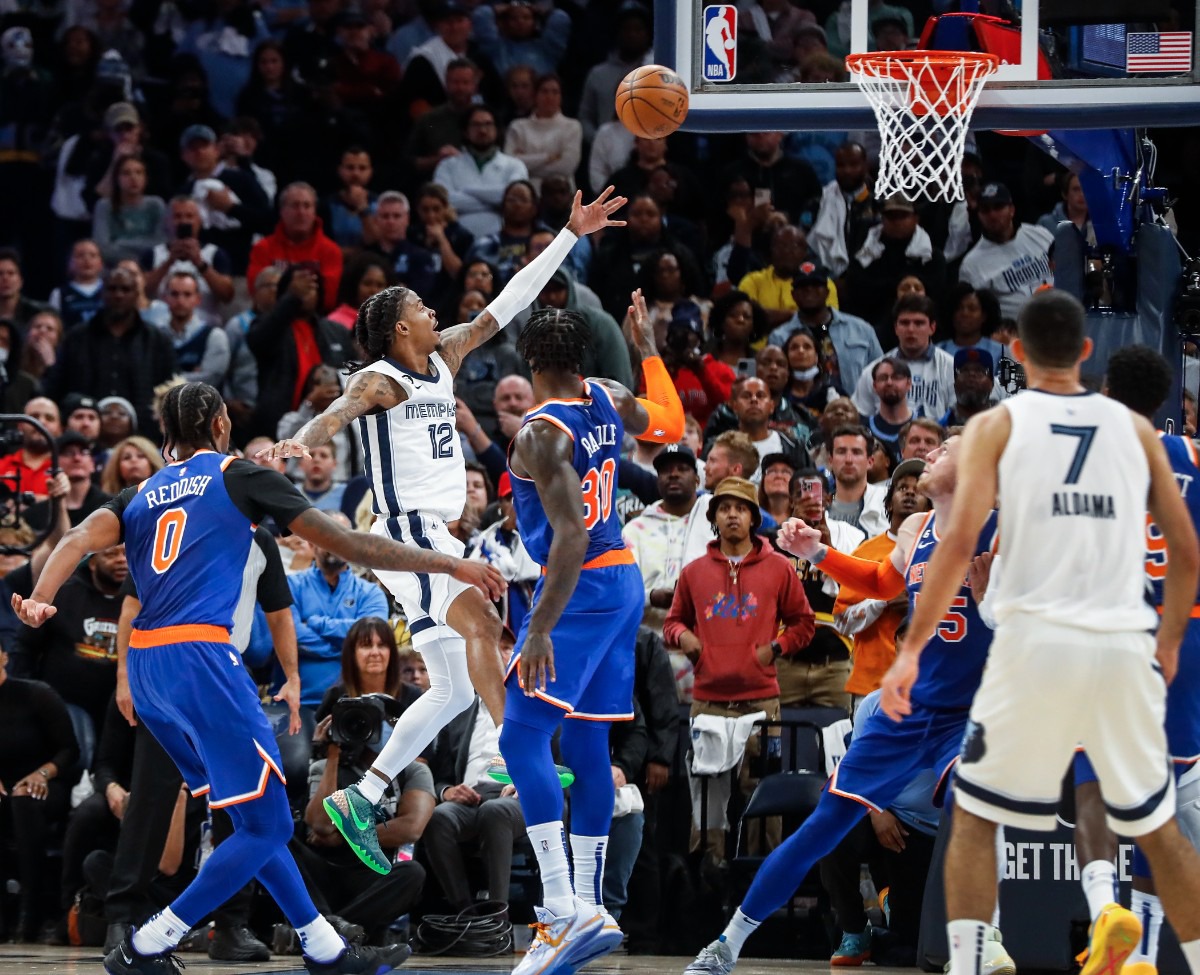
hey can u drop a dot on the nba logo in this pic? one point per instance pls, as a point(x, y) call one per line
point(720, 42)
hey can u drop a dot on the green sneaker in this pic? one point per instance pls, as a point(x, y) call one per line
point(498, 770)
point(355, 819)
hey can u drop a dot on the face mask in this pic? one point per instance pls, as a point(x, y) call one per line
point(804, 375)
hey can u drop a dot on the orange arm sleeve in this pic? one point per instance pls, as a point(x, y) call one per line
point(661, 404)
point(878, 580)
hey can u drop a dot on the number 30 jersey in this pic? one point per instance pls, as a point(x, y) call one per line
point(188, 530)
point(595, 427)
point(411, 452)
point(1074, 483)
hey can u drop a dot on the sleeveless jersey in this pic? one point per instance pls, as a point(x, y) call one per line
point(952, 664)
point(1073, 487)
point(595, 427)
point(411, 452)
point(187, 545)
point(1181, 452)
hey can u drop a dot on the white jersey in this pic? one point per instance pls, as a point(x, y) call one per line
point(412, 452)
point(1074, 482)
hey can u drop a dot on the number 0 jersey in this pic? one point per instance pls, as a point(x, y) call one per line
point(595, 426)
point(1181, 452)
point(188, 530)
point(1074, 482)
point(411, 452)
point(952, 664)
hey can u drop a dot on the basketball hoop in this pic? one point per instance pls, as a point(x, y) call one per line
point(923, 101)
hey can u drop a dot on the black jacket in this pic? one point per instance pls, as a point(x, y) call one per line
point(655, 692)
point(627, 742)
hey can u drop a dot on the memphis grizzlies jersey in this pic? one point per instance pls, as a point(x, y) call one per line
point(596, 429)
point(411, 452)
point(1181, 452)
point(1074, 481)
point(952, 664)
point(188, 530)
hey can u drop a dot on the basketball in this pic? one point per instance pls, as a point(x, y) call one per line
point(652, 101)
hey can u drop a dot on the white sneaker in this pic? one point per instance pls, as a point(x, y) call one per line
point(557, 940)
point(715, 959)
point(607, 938)
point(996, 959)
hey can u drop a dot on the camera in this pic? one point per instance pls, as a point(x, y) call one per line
point(1187, 300)
point(358, 721)
point(1011, 374)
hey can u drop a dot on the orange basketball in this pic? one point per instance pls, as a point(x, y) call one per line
point(652, 101)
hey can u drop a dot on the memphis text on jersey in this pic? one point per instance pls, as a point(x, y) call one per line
point(429, 411)
point(1072, 503)
point(182, 488)
point(605, 436)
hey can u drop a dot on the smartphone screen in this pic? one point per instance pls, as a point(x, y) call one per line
point(762, 196)
point(746, 368)
point(811, 487)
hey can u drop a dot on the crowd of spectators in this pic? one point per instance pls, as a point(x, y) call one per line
point(209, 190)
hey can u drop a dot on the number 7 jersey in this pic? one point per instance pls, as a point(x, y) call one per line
point(594, 426)
point(1074, 483)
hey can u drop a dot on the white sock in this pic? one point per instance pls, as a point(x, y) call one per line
point(450, 693)
point(1001, 861)
point(739, 929)
point(1191, 951)
point(319, 941)
point(161, 933)
point(1148, 909)
point(550, 844)
point(587, 856)
point(1099, 880)
point(966, 939)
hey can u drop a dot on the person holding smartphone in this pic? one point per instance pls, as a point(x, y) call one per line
point(182, 252)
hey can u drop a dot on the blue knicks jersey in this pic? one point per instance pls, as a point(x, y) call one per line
point(1186, 464)
point(952, 663)
point(595, 426)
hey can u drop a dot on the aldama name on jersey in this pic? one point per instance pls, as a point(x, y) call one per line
point(1071, 503)
point(177, 489)
point(605, 436)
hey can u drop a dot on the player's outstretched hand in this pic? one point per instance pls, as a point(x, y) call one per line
point(32, 613)
point(641, 327)
point(290, 693)
point(897, 685)
point(800, 538)
point(283, 450)
point(595, 216)
point(536, 665)
point(482, 576)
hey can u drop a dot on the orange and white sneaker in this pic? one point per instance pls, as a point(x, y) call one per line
point(1115, 936)
point(606, 940)
point(559, 942)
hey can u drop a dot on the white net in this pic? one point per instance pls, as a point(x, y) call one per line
point(923, 103)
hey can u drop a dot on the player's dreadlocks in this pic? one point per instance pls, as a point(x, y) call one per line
point(376, 320)
point(553, 340)
point(188, 412)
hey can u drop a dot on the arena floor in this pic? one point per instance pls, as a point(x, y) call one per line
point(37, 960)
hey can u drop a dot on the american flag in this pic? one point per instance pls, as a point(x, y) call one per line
point(1170, 51)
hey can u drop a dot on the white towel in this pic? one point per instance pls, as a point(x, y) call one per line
point(836, 739)
point(919, 248)
point(718, 743)
point(828, 235)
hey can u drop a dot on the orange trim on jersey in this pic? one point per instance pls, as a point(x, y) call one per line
point(568, 402)
point(600, 717)
point(550, 419)
point(227, 461)
point(195, 453)
point(202, 791)
point(268, 767)
point(1195, 613)
point(617, 556)
point(187, 633)
point(831, 785)
point(543, 696)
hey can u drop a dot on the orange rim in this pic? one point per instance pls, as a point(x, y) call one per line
point(891, 63)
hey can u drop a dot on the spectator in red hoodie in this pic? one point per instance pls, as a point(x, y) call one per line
point(727, 613)
point(299, 240)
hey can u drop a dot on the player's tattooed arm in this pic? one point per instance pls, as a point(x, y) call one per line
point(378, 552)
point(365, 393)
point(458, 340)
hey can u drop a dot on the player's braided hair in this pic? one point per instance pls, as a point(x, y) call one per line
point(553, 340)
point(187, 413)
point(376, 320)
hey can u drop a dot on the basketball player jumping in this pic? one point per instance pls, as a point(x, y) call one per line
point(403, 399)
point(574, 656)
point(183, 528)
point(1073, 471)
point(884, 757)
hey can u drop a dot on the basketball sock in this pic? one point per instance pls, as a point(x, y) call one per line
point(450, 693)
point(1001, 861)
point(966, 939)
point(1148, 909)
point(587, 857)
point(1099, 880)
point(1191, 952)
point(550, 845)
point(161, 933)
point(740, 928)
point(319, 941)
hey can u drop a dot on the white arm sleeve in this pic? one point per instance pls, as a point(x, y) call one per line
point(528, 282)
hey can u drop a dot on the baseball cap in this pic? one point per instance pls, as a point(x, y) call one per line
point(897, 204)
point(674, 452)
point(450, 8)
point(121, 113)
point(687, 314)
point(809, 272)
point(504, 486)
point(196, 133)
point(743, 490)
point(72, 438)
point(77, 401)
point(777, 458)
point(994, 195)
point(913, 467)
point(974, 357)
